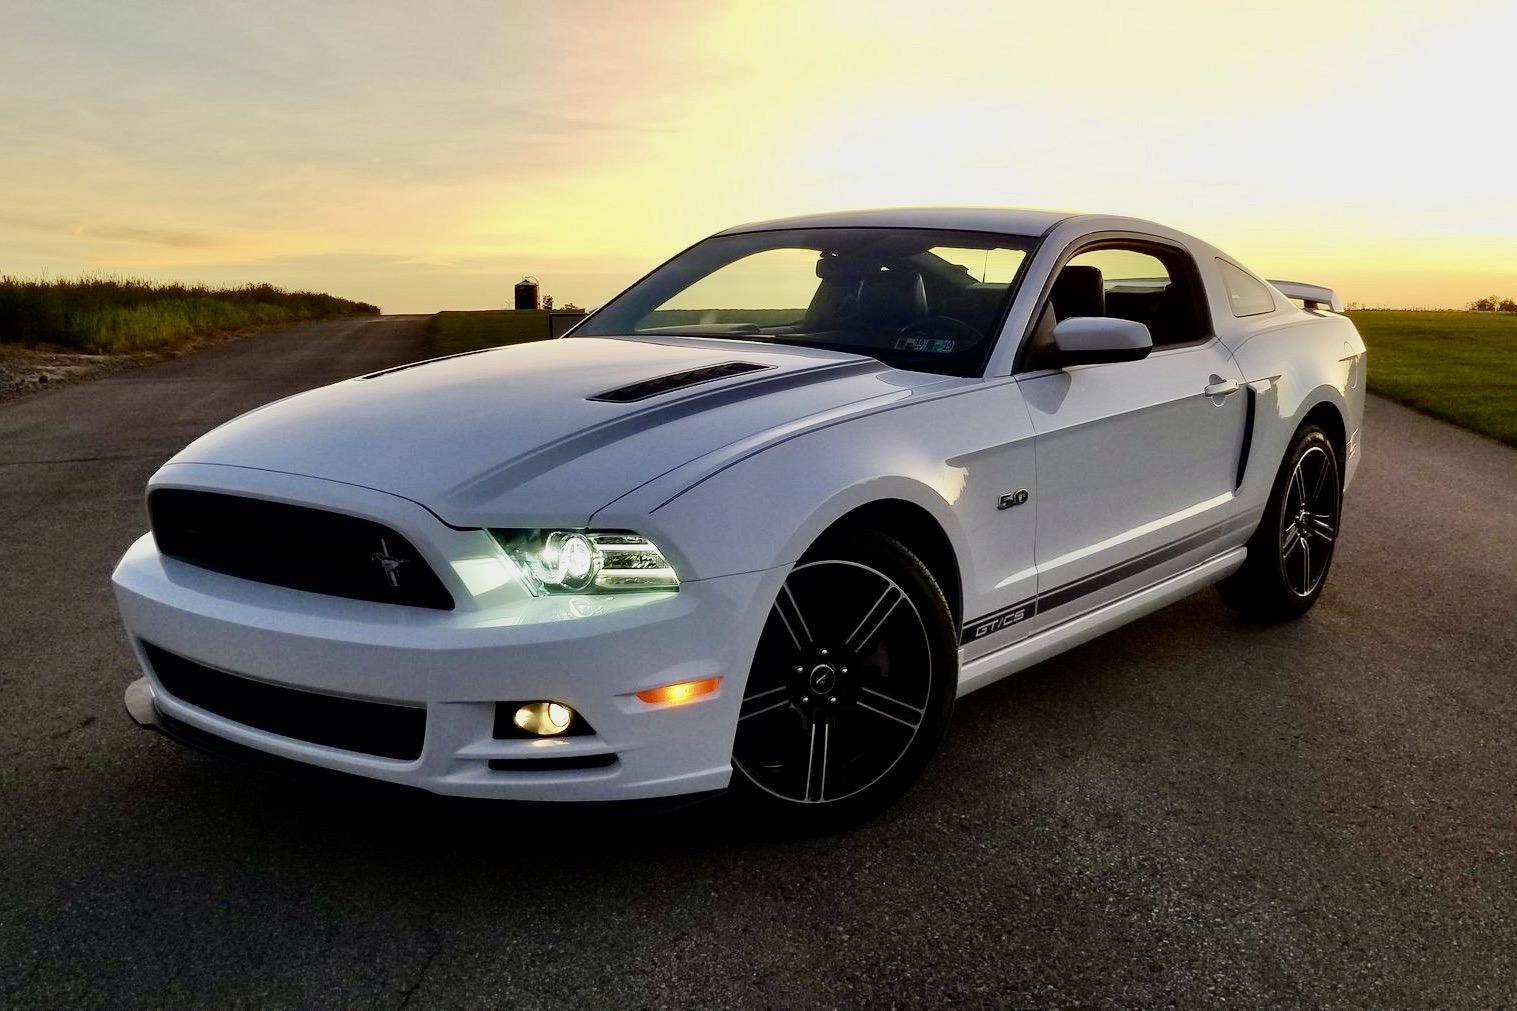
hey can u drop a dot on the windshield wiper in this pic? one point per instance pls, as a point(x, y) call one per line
point(705, 330)
point(753, 334)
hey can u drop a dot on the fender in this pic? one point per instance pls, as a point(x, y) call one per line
point(759, 531)
point(1281, 408)
point(773, 503)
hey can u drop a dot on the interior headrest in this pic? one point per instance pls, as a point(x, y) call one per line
point(893, 297)
point(1079, 291)
point(832, 267)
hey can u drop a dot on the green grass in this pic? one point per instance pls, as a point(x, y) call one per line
point(449, 333)
point(1458, 366)
point(102, 315)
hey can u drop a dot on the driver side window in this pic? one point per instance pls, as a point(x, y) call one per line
point(1153, 285)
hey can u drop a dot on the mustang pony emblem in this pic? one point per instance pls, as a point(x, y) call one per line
point(388, 562)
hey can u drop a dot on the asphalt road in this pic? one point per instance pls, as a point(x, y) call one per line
point(1190, 809)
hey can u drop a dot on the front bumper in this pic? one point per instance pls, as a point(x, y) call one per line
point(457, 665)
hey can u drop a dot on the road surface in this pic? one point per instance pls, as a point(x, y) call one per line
point(1190, 809)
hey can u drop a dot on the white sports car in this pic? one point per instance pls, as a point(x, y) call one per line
point(756, 522)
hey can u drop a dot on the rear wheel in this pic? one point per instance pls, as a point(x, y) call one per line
point(1291, 552)
point(852, 685)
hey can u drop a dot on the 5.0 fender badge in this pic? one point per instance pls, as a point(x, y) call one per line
point(1014, 498)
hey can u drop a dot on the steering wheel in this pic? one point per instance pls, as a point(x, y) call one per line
point(940, 326)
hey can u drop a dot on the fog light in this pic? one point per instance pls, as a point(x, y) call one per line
point(544, 718)
point(680, 691)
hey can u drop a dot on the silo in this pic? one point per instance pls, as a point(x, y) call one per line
point(526, 293)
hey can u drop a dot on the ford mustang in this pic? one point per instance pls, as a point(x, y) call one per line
point(753, 525)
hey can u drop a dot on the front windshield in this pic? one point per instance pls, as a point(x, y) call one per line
point(916, 298)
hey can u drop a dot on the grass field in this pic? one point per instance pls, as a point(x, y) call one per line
point(450, 333)
point(1458, 366)
point(121, 316)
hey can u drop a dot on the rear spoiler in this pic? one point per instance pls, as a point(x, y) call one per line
point(1315, 296)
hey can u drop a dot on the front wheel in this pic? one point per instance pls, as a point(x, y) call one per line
point(1291, 552)
point(851, 687)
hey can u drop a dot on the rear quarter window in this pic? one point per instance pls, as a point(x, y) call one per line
point(1245, 293)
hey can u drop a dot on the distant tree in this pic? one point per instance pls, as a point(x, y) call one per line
point(1487, 304)
point(547, 301)
point(1507, 305)
point(571, 307)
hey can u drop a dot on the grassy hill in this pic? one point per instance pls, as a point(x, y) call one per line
point(449, 333)
point(117, 316)
point(1458, 366)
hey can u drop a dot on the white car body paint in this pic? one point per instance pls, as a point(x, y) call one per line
point(1131, 469)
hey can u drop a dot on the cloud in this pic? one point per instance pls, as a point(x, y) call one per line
point(170, 237)
point(425, 156)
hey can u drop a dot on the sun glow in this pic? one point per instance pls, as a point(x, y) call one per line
point(1351, 143)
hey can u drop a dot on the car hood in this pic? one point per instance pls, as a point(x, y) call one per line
point(523, 434)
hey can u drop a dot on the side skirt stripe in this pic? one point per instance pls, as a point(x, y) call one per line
point(1059, 596)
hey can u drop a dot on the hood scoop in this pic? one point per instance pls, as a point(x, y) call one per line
point(645, 388)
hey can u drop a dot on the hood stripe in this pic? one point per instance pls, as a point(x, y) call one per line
point(523, 468)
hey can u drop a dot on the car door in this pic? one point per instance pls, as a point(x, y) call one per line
point(1137, 462)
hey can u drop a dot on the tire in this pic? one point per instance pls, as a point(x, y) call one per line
point(1290, 554)
point(851, 689)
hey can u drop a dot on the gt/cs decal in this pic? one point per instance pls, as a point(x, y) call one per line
point(992, 623)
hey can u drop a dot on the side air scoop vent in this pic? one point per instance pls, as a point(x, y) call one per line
point(645, 388)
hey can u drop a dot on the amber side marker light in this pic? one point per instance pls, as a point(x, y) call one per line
point(680, 691)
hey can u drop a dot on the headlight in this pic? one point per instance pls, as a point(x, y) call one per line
point(586, 561)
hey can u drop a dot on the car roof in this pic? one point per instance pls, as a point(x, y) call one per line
point(1007, 220)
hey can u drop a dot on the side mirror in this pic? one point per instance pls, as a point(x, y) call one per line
point(1090, 340)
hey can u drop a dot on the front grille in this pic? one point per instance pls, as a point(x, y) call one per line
point(370, 728)
point(294, 546)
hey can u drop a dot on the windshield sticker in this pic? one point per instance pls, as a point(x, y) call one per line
point(926, 345)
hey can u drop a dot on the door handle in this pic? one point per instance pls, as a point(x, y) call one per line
point(1226, 388)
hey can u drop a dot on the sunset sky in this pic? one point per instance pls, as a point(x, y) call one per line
point(425, 156)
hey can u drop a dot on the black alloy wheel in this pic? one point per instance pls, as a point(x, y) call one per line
point(1309, 521)
point(851, 684)
point(1291, 552)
